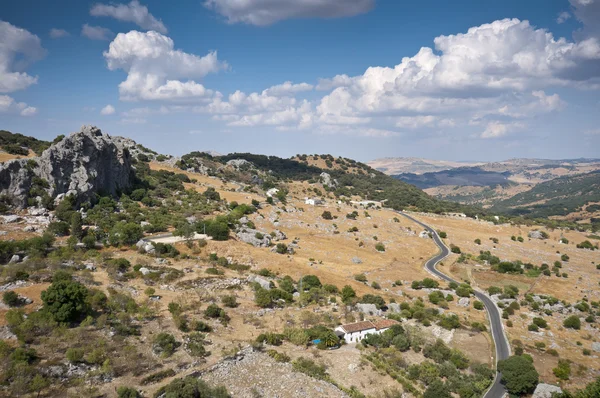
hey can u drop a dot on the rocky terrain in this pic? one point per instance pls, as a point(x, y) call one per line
point(82, 164)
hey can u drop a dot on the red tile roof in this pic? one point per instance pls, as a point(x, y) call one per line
point(385, 323)
point(358, 326)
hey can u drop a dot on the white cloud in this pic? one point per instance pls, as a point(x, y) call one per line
point(153, 67)
point(18, 49)
point(266, 12)
point(132, 12)
point(592, 132)
point(496, 129)
point(335, 82)
point(58, 33)
point(9, 105)
point(96, 32)
point(562, 17)
point(107, 110)
point(288, 88)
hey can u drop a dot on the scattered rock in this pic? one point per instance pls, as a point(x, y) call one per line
point(264, 283)
point(10, 218)
point(356, 260)
point(327, 181)
point(369, 309)
point(464, 302)
point(536, 235)
point(545, 391)
point(145, 271)
point(14, 259)
point(596, 347)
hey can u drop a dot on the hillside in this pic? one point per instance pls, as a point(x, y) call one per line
point(18, 144)
point(557, 197)
point(345, 178)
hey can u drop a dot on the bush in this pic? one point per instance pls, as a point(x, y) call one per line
point(66, 301)
point(281, 248)
point(229, 301)
point(327, 215)
point(477, 241)
point(563, 370)
point(541, 322)
point(128, 392)
point(360, 278)
point(11, 298)
point(455, 249)
point(75, 355)
point(572, 322)
point(518, 375)
point(380, 247)
point(191, 387)
point(478, 305)
point(442, 234)
point(564, 258)
point(58, 228)
point(310, 368)
point(165, 344)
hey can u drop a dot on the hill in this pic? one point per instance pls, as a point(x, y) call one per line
point(401, 165)
point(19, 144)
point(345, 178)
point(558, 197)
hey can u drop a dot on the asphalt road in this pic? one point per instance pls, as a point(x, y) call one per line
point(497, 390)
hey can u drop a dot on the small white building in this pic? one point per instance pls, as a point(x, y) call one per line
point(355, 332)
point(272, 192)
point(313, 201)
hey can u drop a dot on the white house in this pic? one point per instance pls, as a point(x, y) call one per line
point(272, 192)
point(355, 332)
point(313, 201)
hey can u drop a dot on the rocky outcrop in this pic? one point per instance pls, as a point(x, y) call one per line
point(83, 164)
point(545, 390)
point(327, 181)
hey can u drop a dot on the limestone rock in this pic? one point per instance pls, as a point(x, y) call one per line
point(356, 260)
point(254, 237)
point(14, 259)
point(264, 283)
point(535, 235)
point(545, 390)
point(82, 164)
point(327, 181)
point(369, 309)
point(596, 347)
point(464, 302)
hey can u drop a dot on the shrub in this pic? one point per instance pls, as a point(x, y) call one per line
point(191, 387)
point(572, 322)
point(360, 278)
point(127, 392)
point(533, 327)
point(214, 311)
point(229, 301)
point(74, 355)
point(11, 298)
point(164, 344)
point(455, 249)
point(281, 248)
point(541, 322)
point(563, 370)
point(380, 247)
point(309, 367)
point(477, 241)
point(375, 285)
point(327, 215)
point(564, 258)
point(478, 305)
point(348, 294)
point(442, 234)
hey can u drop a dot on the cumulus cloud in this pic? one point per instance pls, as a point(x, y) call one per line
point(58, 33)
point(267, 12)
point(107, 110)
point(153, 67)
point(18, 49)
point(96, 32)
point(288, 88)
point(132, 12)
point(496, 129)
point(9, 105)
point(562, 17)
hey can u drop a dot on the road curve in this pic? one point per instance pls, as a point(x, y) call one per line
point(497, 390)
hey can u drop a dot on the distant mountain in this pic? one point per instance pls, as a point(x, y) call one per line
point(392, 166)
point(464, 176)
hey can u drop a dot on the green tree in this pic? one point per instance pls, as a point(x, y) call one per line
point(563, 370)
point(518, 375)
point(348, 294)
point(66, 301)
point(127, 392)
point(310, 281)
point(11, 298)
point(76, 225)
point(437, 389)
point(327, 215)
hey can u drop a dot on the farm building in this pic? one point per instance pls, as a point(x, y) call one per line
point(355, 332)
point(313, 201)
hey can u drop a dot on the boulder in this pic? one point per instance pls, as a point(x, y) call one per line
point(279, 235)
point(248, 235)
point(145, 271)
point(264, 283)
point(394, 307)
point(14, 259)
point(369, 309)
point(82, 164)
point(596, 347)
point(10, 218)
point(545, 391)
point(464, 302)
point(356, 260)
point(535, 235)
point(327, 181)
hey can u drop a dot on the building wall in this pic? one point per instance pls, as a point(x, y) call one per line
point(355, 337)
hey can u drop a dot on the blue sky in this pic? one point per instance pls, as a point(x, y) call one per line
point(359, 78)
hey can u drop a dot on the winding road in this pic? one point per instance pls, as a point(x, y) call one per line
point(497, 390)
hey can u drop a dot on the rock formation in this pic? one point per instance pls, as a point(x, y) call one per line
point(83, 164)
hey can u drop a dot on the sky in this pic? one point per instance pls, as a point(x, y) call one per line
point(364, 79)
